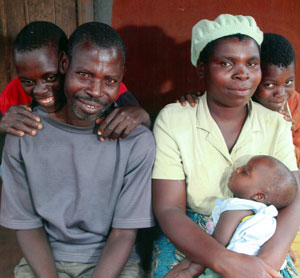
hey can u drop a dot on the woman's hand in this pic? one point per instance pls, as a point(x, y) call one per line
point(247, 267)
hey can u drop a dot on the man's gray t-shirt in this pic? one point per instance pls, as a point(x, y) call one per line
point(75, 186)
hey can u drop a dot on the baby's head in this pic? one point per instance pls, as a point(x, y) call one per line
point(278, 61)
point(264, 179)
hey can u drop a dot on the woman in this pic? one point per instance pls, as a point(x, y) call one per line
point(197, 149)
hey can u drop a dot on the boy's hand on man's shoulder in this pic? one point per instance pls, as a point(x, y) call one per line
point(19, 120)
point(121, 122)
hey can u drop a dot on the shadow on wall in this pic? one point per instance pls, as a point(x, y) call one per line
point(158, 70)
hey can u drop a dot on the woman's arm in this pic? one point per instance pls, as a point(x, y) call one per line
point(35, 247)
point(169, 201)
point(274, 251)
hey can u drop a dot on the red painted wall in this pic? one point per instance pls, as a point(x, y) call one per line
point(157, 37)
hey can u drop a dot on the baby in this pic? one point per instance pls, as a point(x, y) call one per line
point(244, 223)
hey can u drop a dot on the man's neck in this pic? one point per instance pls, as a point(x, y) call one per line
point(66, 115)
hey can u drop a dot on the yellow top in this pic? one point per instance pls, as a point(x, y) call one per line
point(191, 146)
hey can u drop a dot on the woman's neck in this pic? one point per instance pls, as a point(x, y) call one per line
point(225, 114)
point(230, 121)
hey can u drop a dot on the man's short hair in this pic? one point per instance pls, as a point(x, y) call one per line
point(97, 33)
point(277, 50)
point(38, 34)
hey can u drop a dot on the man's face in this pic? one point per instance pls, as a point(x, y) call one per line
point(39, 75)
point(276, 86)
point(233, 72)
point(92, 82)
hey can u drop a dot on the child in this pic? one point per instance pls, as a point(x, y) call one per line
point(277, 87)
point(37, 50)
point(243, 224)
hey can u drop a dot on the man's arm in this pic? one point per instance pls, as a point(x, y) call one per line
point(115, 254)
point(35, 247)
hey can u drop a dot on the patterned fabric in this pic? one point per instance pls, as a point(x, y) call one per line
point(165, 256)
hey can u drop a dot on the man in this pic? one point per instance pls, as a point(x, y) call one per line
point(76, 201)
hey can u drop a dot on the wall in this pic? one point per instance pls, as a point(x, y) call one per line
point(67, 14)
point(157, 36)
point(156, 33)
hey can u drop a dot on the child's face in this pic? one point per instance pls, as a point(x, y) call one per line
point(277, 85)
point(233, 72)
point(92, 81)
point(247, 180)
point(39, 75)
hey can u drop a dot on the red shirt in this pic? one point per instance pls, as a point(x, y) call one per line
point(13, 94)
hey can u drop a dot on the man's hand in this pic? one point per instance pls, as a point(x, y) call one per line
point(121, 122)
point(19, 120)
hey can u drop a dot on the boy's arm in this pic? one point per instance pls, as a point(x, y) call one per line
point(115, 253)
point(123, 119)
point(19, 120)
point(227, 224)
point(35, 247)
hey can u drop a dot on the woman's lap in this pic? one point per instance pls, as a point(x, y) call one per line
point(165, 256)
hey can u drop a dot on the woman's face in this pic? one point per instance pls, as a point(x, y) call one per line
point(276, 86)
point(232, 73)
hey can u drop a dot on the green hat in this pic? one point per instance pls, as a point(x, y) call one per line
point(206, 31)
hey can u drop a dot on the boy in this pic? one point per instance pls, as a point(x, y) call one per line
point(37, 46)
point(243, 224)
point(76, 201)
point(277, 87)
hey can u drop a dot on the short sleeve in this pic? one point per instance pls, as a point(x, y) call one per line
point(168, 163)
point(17, 210)
point(134, 205)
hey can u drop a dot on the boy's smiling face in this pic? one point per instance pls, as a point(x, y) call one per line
point(39, 75)
point(277, 85)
